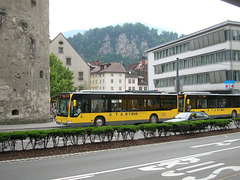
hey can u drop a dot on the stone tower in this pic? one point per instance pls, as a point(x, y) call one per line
point(24, 61)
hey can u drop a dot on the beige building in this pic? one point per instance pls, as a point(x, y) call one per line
point(108, 76)
point(71, 59)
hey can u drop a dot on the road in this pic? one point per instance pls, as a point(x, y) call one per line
point(202, 158)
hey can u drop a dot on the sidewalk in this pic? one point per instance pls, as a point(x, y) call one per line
point(22, 127)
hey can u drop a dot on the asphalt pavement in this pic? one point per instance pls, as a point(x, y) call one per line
point(22, 127)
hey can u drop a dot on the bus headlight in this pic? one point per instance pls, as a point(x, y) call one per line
point(69, 122)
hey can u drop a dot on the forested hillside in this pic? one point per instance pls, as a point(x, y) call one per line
point(125, 43)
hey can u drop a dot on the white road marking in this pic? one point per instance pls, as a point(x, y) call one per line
point(214, 173)
point(222, 143)
point(197, 165)
point(204, 168)
point(84, 176)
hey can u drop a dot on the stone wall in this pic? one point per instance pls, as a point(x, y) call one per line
point(24, 57)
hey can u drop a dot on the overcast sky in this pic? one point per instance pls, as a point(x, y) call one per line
point(181, 16)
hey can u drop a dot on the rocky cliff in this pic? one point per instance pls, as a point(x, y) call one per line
point(120, 43)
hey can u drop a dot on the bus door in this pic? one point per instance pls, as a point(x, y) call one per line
point(181, 103)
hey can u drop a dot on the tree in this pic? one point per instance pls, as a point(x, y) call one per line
point(61, 78)
point(90, 42)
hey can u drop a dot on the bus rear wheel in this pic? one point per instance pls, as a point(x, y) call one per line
point(234, 114)
point(99, 121)
point(153, 118)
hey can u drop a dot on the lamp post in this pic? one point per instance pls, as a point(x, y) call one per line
point(177, 78)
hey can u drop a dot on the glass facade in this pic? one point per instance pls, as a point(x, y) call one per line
point(206, 59)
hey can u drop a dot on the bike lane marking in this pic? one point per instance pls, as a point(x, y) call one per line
point(221, 143)
point(150, 166)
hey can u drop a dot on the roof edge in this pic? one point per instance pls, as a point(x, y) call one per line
point(225, 23)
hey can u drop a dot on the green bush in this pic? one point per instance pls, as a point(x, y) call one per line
point(82, 134)
point(103, 132)
point(222, 123)
point(55, 135)
point(4, 137)
point(67, 135)
point(36, 137)
point(199, 125)
point(148, 130)
point(72, 135)
point(15, 136)
point(127, 130)
point(163, 128)
point(236, 122)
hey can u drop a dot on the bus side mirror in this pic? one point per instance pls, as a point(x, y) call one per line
point(74, 103)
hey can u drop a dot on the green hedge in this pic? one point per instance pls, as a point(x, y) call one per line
point(236, 122)
point(75, 136)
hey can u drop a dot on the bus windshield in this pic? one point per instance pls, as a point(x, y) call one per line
point(62, 106)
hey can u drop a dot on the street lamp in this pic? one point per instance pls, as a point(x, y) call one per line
point(177, 78)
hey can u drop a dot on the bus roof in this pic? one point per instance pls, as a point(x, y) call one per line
point(208, 93)
point(121, 92)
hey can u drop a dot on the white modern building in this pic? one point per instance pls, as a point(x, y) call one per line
point(207, 59)
point(71, 59)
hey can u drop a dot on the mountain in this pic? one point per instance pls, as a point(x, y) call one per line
point(125, 43)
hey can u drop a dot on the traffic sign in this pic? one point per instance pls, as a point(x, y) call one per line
point(232, 84)
point(229, 84)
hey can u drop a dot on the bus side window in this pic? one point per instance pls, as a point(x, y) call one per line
point(84, 107)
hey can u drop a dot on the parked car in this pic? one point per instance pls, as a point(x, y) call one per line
point(189, 116)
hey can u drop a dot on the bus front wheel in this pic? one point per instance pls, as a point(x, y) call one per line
point(234, 114)
point(99, 121)
point(153, 118)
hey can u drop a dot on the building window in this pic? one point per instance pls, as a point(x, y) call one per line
point(120, 81)
point(129, 88)
point(68, 61)
point(236, 55)
point(133, 81)
point(80, 75)
point(112, 88)
point(120, 88)
point(234, 35)
point(111, 80)
point(41, 74)
point(60, 49)
point(140, 88)
point(33, 3)
point(145, 88)
point(129, 81)
point(111, 74)
point(60, 42)
point(15, 112)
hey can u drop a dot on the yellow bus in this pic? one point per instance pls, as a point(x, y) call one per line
point(215, 105)
point(100, 108)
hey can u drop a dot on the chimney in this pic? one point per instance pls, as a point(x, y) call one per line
point(93, 62)
point(143, 61)
point(97, 62)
